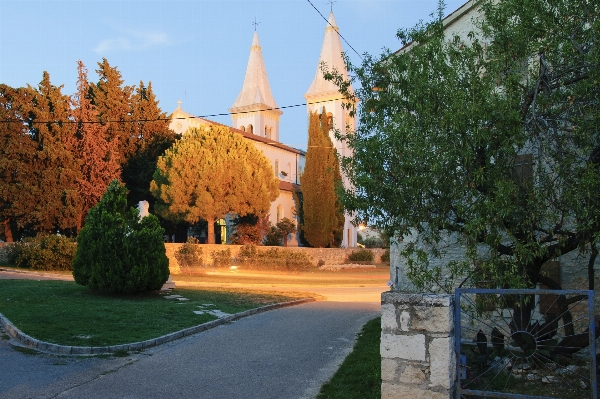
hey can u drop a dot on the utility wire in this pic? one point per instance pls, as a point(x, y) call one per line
point(161, 119)
point(337, 30)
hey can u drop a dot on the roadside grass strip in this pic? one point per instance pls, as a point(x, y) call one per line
point(64, 313)
point(359, 376)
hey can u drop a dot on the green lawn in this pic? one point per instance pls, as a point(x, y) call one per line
point(359, 376)
point(65, 313)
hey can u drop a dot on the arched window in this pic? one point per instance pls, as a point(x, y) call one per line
point(276, 168)
point(243, 128)
point(329, 120)
point(250, 129)
point(289, 171)
point(279, 213)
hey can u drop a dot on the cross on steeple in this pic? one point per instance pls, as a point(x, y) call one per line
point(331, 2)
point(255, 24)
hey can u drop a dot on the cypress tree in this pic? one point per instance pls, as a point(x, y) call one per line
point(98, 164)
point(16, 162)
point(322, 211)
point(55, 167)
point(113, 104)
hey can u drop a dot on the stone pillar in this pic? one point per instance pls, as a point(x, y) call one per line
point(417, 346)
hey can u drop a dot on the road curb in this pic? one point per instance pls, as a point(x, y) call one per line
point(43, 346)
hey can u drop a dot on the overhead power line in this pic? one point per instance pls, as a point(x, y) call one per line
point(73, 121)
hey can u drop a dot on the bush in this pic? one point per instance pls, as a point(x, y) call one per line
point(273, 259)
point(11, 252)
point(189, 256)
point(116, 251)
point(385, 257)
point(362, 256)
point(44, 252)
point(221, 258)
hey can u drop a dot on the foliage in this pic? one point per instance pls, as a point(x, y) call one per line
point(323, 216)
point(250, 229)
point(44, 252)
point(359, 376)
point(286, 227)
point(273, 237)
point(221, 258)
point(189, 256)
point(272, 259)
point(488, 141)
point(117, 252)
point(361, 255)
point(99, 164)
point(299, 214)
point(209, 173)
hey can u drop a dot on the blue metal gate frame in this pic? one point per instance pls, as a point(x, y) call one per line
point(458, 337)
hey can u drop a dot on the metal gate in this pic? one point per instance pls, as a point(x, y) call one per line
point(525, 344)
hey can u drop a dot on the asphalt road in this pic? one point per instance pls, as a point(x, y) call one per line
point(286, 353)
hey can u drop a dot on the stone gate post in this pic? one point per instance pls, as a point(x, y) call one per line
point(417, 346)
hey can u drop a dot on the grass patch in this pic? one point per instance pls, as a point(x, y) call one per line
point(359, 376)
point(65, 313)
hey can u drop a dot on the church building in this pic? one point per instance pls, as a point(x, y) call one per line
point(255, 115)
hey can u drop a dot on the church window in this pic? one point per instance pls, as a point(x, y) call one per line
point(250, 129)
point(329, 120)
point(279, 213)
point(276, 168)
point(289, 170)
point(243, 128)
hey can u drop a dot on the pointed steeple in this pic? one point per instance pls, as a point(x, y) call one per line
point(331, 56)
point(255, 110)
point(256, 90)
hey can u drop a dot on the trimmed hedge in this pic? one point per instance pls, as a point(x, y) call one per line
point(362, 255)
point(272, 259)
point(116, 251)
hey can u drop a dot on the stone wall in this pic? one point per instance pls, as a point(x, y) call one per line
point(417, 346)
point(330, 256)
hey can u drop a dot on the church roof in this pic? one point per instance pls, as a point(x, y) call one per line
point(256, 92)
point(331, 56)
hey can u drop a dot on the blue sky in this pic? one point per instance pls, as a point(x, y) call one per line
point(196, 51)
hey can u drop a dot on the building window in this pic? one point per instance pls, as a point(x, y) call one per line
point(243, 128)
point(329, 120)
point(250, 129)
point(276, 168)
point(279, 213)
point(289, 170)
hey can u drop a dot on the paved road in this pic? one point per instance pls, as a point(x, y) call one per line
point(286, 353)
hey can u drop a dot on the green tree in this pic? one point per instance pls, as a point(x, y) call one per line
point(55, 167)
point(98, 161)
point(16, 162)
point(113, 103)
point(286, 227)
point(152, 138)
point(490, 140)
point(209, 173)
point(116, 251)
point(322, 211)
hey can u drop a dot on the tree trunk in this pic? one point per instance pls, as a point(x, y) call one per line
point(7, 231)
point(210, 235)
point(285, 238)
